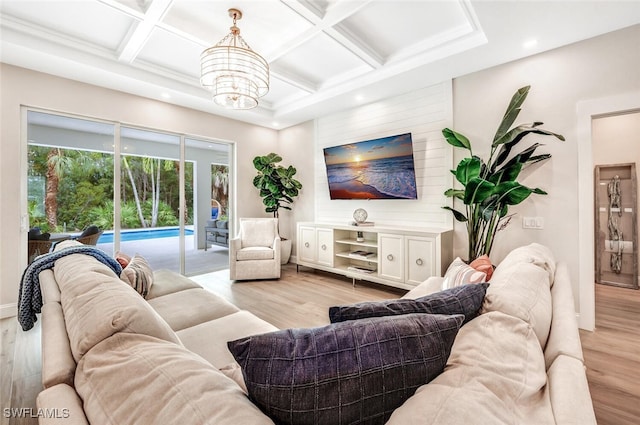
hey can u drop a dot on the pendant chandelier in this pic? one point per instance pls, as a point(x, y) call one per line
point(235, 74)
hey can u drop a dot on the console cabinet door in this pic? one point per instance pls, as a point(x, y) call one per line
point(307, 244)
point(421, 258)
point(324, 247)
point(391, 256)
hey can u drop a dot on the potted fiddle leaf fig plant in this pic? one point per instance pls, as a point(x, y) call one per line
point(278, 188)
point(490, 188)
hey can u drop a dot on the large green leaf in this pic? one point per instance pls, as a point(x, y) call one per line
point(454, 193)
point(517, 133)
point(457, 214)
point(506, 173)
point(456, 139)
point(477, 190)
point(512, 111)
point(512, 193)
point(488, 206)
point(468, 169)
point(526, 156)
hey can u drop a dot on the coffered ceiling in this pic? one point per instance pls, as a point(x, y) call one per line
point(324, 54)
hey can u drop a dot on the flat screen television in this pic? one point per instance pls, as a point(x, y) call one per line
point(372, 169)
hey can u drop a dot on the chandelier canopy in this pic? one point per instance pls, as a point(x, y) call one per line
point(235, 74)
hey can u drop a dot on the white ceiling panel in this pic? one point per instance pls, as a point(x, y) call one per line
point(283, 91)
point(140, 6)
point(172, 52)
point(265, 25)
point(321, 52)
point(88, 21)
point(320, 60)
point(392, 26)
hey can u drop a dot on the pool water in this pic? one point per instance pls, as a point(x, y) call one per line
point(137, 235)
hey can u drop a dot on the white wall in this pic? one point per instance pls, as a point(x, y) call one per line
point(561, 80)
point(423, 113)
point(24, 87)
point(297, 149)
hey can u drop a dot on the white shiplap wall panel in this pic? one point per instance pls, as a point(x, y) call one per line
point(423, 113)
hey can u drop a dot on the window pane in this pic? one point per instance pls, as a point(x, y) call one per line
point(70, 174)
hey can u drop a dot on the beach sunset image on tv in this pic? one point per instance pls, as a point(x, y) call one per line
point(373, 169)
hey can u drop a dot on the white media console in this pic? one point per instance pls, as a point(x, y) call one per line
point(396, 256)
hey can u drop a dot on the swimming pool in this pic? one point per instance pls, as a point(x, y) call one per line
point(142, 234)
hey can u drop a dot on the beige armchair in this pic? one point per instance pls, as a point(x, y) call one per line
point(255, 252)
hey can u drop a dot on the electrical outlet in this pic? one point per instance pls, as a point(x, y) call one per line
point(532, 223)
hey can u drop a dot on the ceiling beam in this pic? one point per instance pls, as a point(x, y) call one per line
point(326, 21)
point(138, 35)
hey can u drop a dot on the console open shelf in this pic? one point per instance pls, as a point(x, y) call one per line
point(402, 257)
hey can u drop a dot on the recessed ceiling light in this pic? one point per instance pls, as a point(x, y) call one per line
point(530, 44)
point(166, 95)
point(359, 98)
point(275, 123)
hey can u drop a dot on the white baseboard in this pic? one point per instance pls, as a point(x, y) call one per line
point(8, 310)
point(293, 259)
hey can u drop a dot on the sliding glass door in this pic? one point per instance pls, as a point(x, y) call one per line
point(70, 176)
point(150, 192)
point(209, 250)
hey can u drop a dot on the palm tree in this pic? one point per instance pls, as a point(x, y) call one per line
point(57, 162)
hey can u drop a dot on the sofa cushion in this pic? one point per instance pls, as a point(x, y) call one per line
point(191, 307)
point(465, 299)
point(133, 379)
point(428, 287)
point(536, 254)
point(522, 290)
point(255, 253)
point(350, 372)
point(483, 264)
point(167, 282)
point(460, 273)
point(63, 406)
point(213, 348)
point(107, 307)
point(122, 259)
point(138, 275)
point(257, 232)
point(495, 375)
point(79, 271)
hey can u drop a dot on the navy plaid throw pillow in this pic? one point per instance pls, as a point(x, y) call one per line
point(464, 299)
point(345, 373)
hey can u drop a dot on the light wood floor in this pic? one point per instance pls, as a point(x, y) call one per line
point(612, 356)
point(302, 299)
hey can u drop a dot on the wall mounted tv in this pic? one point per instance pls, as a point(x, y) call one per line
point(372, 169)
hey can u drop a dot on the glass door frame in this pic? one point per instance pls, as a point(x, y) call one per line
point(117, 143)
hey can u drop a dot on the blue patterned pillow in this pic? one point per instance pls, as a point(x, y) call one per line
point(463, 299)
point(345, 373)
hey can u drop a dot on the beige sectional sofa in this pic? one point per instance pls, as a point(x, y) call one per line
point(111, 357)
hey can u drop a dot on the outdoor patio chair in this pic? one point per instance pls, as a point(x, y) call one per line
point(36, 248)
point(90, 235)
point(255, 252)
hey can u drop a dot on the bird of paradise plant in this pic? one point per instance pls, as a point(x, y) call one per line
point(491, 187)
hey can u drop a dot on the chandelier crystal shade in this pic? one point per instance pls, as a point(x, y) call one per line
point(235, 74)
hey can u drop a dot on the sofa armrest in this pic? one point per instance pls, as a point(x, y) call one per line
point(564, 337)
point(277, 251)
point(569, 392)
point(60, 404)
point(58, 365)
point(429, 286)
